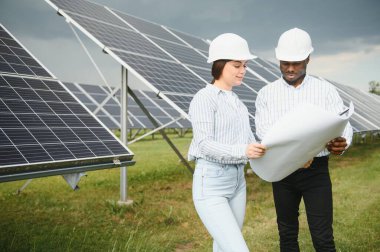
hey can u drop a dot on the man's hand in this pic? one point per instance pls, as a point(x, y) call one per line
point(255, 150)
point(337, 145)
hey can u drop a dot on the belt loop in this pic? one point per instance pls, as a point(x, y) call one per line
point(204, 170)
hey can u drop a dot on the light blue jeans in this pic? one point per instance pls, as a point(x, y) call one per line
point(219, 195)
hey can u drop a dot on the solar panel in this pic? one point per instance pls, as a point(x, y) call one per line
point(375, 97)
point(147, 28)
point(269, 66)
point(15, 60)
point(367, 109)
point(45, 131)
point(170, 62)
point(89, 9)
point(195, 42)
point(269, 76)
point(166, 76)
point(93, 95)
point(119, 38)
point(183, 53)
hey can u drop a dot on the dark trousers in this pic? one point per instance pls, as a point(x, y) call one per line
point(314, 186)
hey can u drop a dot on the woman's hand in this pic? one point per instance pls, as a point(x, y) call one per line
point(255, 150)
point(308, 163)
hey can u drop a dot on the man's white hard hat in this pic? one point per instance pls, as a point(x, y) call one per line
point(229, 46)
point(294, 45)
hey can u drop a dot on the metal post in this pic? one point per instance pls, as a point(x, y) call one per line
point(124, 136)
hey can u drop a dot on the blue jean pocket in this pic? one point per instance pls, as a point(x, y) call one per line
point(212, 179)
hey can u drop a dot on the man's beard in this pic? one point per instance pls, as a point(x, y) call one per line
point(293, 82)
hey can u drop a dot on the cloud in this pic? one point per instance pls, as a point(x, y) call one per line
point(353, 68)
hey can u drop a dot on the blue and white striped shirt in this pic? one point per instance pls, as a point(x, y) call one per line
point(277, 98)
point(221, 130)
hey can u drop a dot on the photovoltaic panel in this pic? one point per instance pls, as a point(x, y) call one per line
point(269, 66)
point(45, 131)
point(167, 76)
point(195, 42)
point(376, 97)
point(109, 113)
point(119, 38)
point(269, 76)
point(366, 108)
point(163, 72)
point(253, 82)
point(15, 60)
point(183, 101)
point(147, 28)
point(170, 62)
point(161, 110)
point(183, 53)
point(89, 9)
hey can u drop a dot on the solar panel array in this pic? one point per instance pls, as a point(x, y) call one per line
point(375, 96)
point(105, 104)
point(367, 109)
point(170, 62)
point(44, 130)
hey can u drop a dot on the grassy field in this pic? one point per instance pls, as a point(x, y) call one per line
point(49, 216)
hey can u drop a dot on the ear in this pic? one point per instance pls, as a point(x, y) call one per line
point(307, 60)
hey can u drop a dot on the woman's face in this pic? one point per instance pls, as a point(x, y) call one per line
point(233, 72)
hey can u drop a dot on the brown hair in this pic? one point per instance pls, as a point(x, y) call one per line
point(217, 69)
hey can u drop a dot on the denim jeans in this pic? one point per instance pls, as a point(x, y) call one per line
point(219, 195)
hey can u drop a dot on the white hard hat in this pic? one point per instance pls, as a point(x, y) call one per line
point(294, 45)
point(229, 46)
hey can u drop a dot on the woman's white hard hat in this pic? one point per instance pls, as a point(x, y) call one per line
point(294, 45)
point(229, 46)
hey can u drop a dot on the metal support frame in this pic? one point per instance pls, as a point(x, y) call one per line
point(124, 137)
point(24, 186)
point(150, 117)
point(154, 130)
point(133, 136)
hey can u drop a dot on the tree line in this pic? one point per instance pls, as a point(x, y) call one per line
point(374, 87)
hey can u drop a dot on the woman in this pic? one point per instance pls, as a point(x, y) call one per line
point(222, 144)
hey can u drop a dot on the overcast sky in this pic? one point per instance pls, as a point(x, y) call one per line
point(345, 33)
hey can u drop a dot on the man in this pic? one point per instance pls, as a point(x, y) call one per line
point(311, 182)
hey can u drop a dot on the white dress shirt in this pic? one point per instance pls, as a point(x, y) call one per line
point(221, 130)
point(277, 98)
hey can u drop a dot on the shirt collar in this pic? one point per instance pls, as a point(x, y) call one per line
point(216, 90)
point(305, 80)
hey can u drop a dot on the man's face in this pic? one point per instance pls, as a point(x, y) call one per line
point(294, 72)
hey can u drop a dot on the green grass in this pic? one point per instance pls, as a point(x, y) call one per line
point(49, 216)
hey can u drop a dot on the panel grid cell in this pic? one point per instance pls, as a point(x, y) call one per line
point(263, 72)
point(120, 38)
point(167, 76)
point(147, 28)
point(197, 43)
point(88, 9)
point(16, 60)
point(183, 53)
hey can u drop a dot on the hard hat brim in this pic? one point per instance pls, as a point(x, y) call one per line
point(245, 57)
point(288, 57)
